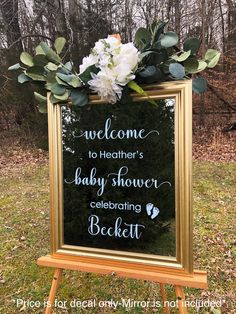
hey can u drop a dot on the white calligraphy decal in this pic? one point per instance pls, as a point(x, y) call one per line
point(108, 134)
point(120, 229)
point(117, 180)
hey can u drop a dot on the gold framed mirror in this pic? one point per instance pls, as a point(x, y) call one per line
point(120, 181)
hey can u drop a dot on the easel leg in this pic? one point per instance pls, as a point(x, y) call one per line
point(166, 308)
point(55, 284)
point(181, 299)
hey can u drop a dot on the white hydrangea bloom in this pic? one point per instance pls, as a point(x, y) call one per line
point(112, 44)
point(99, 47)
point(117, 63)
point(123, 73)
point(128, 54)
point(105, 61)
point(106, 46)
point(87, 62)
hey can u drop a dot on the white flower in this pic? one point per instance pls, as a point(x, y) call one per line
point(88, 61)
point(117, 63)
point(104, 84)
point(99, 47)
point(105, 60)
point(123, 73)
point(128, 54)
point(106, 46)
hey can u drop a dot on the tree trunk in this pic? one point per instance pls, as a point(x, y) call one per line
point(177, 17)
point(60, 20)
point(75, 31)
point(9, 11)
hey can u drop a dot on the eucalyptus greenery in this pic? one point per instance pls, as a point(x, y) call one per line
point(160, 60)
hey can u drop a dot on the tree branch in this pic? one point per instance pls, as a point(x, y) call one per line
point(27, 36)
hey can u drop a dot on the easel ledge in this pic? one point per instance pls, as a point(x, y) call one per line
point(197, 280)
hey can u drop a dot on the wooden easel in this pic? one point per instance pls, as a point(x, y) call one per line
point(174, 271)
point(197, 280)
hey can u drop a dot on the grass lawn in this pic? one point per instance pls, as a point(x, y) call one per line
point(24, 236)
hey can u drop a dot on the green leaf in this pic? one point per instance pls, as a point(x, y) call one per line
point(42, 107)
point(142, 37)
point(36, 73)
point(42, 102)
point(59, 44)
point(58, 89)
point(40, 60)
point(14, 67)
point(27, 59)
point(135, 87)
point(69, 65)
point(39, 50)
point(201, 66)
point(192, 44)
point(22, 78)
point(157, 76)
point(79, 97)
point(165, 66)
point(48, 86)
point(70, 79)
point(148, 71)
point(64, 77)
point(54, 100)
point(146, 53)
point(63, 70)
point(210, 54)
point(51, 66)
point(40, 98)
point(157, 29)
point(51, 55)
point(59, 81)
point(191, 65)
point(65, 96)
point(199, 85)
point(155, 58)
point(157, 45)
point(75, 81)
point(164, 54)
point(51, 77)
point(177, 70)
point(169, 39)
point(86, 75)
point(212, 57)
point(182, 57)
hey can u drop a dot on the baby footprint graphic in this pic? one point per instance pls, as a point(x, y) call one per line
point(149, 208)
point(155, 212)
point(152, 211)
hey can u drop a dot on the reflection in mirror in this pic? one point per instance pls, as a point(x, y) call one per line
point(118, 177)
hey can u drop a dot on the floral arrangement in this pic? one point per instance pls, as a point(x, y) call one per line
point(113, 70)
point(115, 63)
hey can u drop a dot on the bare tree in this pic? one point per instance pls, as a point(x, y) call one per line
point(24, 23)
point(10, 14)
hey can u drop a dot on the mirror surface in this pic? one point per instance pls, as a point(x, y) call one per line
point(118, 177)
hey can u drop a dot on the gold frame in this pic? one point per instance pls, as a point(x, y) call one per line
point(181, 92)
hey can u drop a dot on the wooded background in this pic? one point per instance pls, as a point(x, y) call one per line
point(24, 23)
